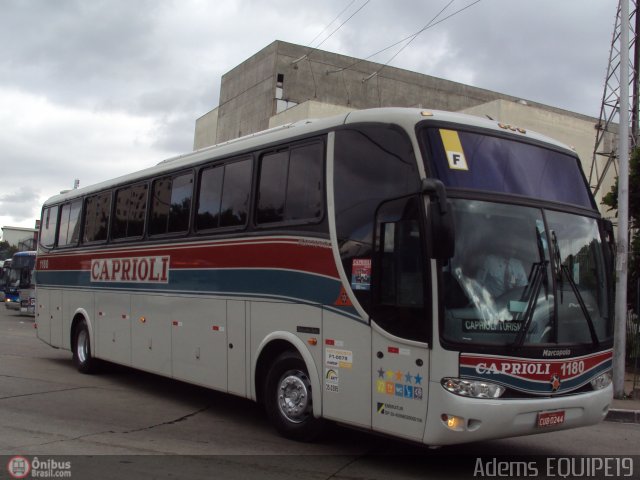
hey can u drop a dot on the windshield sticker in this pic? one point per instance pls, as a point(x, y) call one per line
point(361, 274)
point(453, 147)
point(480, 326)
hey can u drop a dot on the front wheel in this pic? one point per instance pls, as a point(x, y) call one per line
point(289, 400)
point(82, 357)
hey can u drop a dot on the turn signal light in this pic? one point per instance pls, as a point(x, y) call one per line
point(453, 422)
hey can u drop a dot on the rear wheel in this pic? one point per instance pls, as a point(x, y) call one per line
point(289, 399)
point(82, 357)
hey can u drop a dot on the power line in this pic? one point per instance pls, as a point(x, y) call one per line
point(429, 25)
point(390, 46)
point(331, 23)
point(410, 38)
point(331, 34)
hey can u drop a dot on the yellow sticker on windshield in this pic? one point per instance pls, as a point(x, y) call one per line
point(453, 147)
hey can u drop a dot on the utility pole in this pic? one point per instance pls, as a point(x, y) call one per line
point(619, 341)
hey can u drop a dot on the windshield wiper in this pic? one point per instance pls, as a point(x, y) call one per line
point(531, 297)
point(532, 290)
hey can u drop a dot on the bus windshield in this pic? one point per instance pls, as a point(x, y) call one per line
point(477, 161)
point(520, 276)
point(21, 270)
point(513, 282)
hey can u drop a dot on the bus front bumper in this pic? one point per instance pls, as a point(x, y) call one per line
point(453, 419)
point(12, 305)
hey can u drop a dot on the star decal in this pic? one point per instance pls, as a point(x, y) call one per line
point(408, 377)
point(418, 379)
point(398, 375)
point(380, 373)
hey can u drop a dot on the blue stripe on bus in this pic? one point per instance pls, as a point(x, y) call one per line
point(272, 284)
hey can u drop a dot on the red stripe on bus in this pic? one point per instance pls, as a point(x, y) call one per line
point(280, 255)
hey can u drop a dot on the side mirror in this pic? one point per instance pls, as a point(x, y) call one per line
point(440, 227)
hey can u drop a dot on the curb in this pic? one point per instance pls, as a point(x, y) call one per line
point(623, 416)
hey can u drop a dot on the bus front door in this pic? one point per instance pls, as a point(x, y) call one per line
point(400, 321)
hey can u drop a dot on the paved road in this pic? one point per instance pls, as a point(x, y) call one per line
point(48, 409)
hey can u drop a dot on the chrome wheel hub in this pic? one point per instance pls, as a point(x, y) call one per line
point(293, 396)
point(82, 346)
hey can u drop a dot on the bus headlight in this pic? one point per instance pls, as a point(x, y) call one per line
point(472, 388)
point(601, 381)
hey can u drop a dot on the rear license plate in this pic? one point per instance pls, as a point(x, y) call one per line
point(550, 419)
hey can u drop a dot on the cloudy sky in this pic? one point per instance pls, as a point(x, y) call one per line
point(93, 89)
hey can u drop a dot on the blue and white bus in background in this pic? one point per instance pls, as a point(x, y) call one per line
point(5, 266)
point(20, 290)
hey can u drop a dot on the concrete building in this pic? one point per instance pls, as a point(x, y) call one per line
point(23, 238)
point(285, 82)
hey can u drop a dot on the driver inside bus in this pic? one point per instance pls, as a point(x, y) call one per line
point(500, 273)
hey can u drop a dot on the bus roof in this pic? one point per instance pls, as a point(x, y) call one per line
point(406, 117)
point(28, 253)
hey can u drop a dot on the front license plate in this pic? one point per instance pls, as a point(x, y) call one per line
point(550, 419)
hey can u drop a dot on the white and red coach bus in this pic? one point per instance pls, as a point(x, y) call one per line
point(428, 275)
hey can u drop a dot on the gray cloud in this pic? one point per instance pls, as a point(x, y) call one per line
point(95, 89)
point(20, 203)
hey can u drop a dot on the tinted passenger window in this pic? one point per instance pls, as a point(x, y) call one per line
point(96, 217)
point(235, 194)
point(171, 204)
point(130, 211)
point(291, 185)
point(272, 191)
point(304, 190)
point(69, 231)
point(49, 224)
point(224, 193)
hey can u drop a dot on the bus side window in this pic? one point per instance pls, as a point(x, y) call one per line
point(291, 185)
point(223, 195)
point(49, 224)
point(171, 204)
point(372, 164)
point(69, 231)
point(130, 212)
point(97, 211)
point(236, 192)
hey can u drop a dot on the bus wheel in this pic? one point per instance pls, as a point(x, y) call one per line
point(288, 398)
point(82, 358)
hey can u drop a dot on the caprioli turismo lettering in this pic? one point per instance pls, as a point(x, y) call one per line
point(514, 368)
point(131, 269)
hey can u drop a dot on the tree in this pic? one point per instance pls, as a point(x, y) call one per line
point(6, 250)
point(611, 200)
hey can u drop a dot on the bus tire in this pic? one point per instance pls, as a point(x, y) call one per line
point(288, 399)
point(82, 357)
